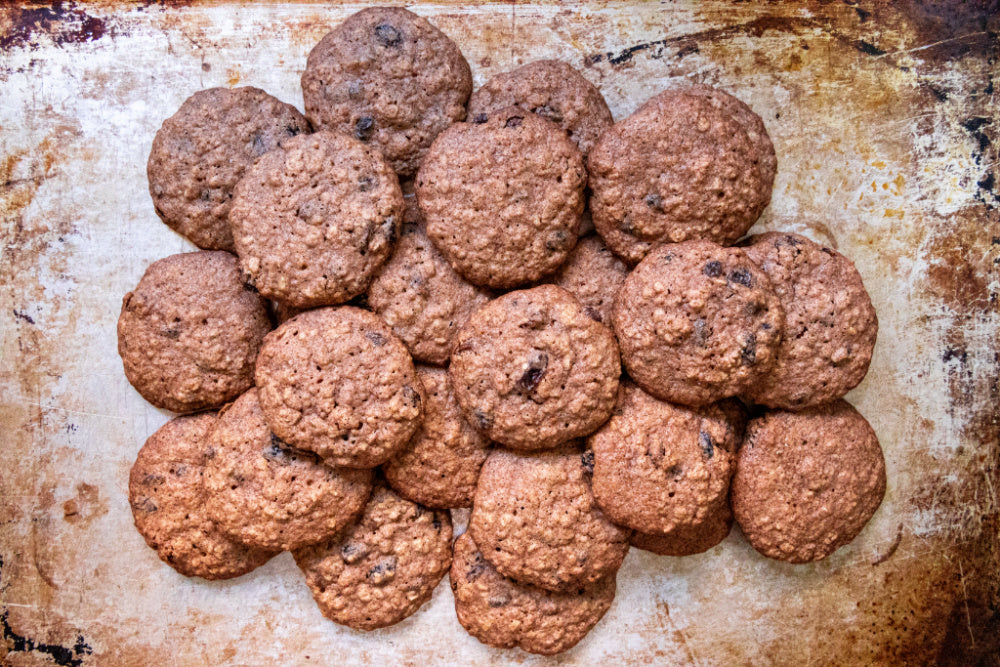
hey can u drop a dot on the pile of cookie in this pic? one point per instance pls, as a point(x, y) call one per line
point(322, 437)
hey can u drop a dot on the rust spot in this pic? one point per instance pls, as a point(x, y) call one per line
point(86, 506)
point(62, 22)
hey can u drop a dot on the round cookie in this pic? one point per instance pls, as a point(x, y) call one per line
point(751, 122)
point(500, 612)
point(689, 541)
point(440, 465)
point(389, 78)
point(806, 483)
point(697, 322)
point(830, 324)
point(659, 467)
point(313, 220)
point(420, 296)
point(189, 333)
point(167, 498)
point(382, 569)
point(552, 89)
point(503, 197)
point(593, 274)
point(532, 370)
point(535, 520)
point(203, 150)
point(338, 382)
point(679, 168)
point(264, 493)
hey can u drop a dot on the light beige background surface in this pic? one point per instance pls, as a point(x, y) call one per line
point(885, 126)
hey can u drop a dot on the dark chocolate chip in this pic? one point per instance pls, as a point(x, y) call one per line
point(352, 552)
point(701, 332)
point(537, 364)
point(484, 420)
point(557, 240)
point(172, 334)
point(367, 182)
point(707, 446)
point(545, 111)
point(145, 505)
point(749, 351)
point(675, 471)
point(514, 121)
point(480, 118)
point(364, 128)
point(259, 147)
point(741, 276)
point(376, 339)
point(593, 314)
point(827, 251)
point(387, 35)
point(587, 459)
point(655, 202)
point(496, 601)
point(153, 479)
point(388, 229)
point(382, 572)
point(712, 269)
point(293, 130)
point(412, 396)
point(476, 568)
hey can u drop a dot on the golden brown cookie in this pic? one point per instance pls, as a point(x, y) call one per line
point(535, 520)
point(314, 219)
point(420, 296)
point(503, 197)
point(830, 324)
point(500, 612)
point(806, 483)
point(531, 369)
point(265, 493)
point(190, 331)
point(659, 467)
point(338, 382)
point(593, 274)
point(697, 322)
point(440, 465)
point(203, 150)
point(382, 569)
point(167, 497)
point(679, 168)
point(389, 78)
point(552, 89)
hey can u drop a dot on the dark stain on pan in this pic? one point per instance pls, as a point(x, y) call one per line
point(63, 22)
point(66, 656)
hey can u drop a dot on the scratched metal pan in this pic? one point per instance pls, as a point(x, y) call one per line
point(885, 124)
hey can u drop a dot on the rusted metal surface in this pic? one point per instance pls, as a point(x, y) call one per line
point(885, 124)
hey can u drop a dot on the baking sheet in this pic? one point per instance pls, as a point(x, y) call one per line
point(885, 124)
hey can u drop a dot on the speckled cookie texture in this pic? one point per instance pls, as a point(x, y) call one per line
point(697, 322)
point(204, 149)
point(420, 296)
point(751, 122)
point(679, 168)
point(689, 541)
point(167, 497)
point(440, 465)
point(593, 274)
point(500, 612)
point(313, 220)
point(382, 569)
point(338, 382)
point(806, 483)
point(552, 89)
point(659, 467)
point(531, 369)
point(535, 520)
point(265, 493)
point(389, 78)
point(189, 333)
point(830, 324)
point(503, 197)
